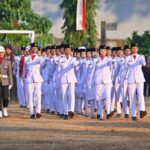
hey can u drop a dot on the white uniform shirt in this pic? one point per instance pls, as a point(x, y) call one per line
point(66, 66)
point(32, 70)
point(135, 73)
point(102, 73)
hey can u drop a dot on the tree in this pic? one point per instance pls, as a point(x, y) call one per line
point(43, 40)
point(143, 41)
point(78, 38)
point(19, 15)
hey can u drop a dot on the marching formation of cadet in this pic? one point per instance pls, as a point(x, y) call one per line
point(64, 81)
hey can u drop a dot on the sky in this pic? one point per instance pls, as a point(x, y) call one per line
point(130, 15)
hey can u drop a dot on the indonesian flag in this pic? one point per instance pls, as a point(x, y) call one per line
point(81, 15)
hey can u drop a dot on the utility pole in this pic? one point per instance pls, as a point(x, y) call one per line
point(103, 32)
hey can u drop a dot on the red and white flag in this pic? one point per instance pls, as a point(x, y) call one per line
point(81, 15)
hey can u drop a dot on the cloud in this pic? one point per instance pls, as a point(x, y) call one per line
point(45, 7)
point(56, 29)
point(131, 15)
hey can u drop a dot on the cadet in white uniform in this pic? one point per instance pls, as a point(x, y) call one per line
point(62, 54)
point(25, 87)
point(95, 55)
point(136, 81)
point(18, 72)
point(77, 55)
point(103, 83)
point(124, 82)
point(56, 80)
point(34, 80)
point(127, 52)
point(80, 91)
point(67, 82)
point(89, 84)
point(52, 102)
point(119, 79)
point(45, 76)
point(114, 102)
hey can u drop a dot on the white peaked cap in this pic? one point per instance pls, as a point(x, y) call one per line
point(28, 48)
point(82, 47)
point(2, 49)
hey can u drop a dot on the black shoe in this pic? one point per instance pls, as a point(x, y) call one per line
point(101, 119)
point(143, 114)
point(71, 114)
point(126, 116)
point(23, 106)
point(98, 116)
point(121, 104)
point(38, 115)
point(112, 113)
point(32, 116)
point(118, 115)
point(66, 117)
point(92, 117)
point(61, 115)
point(107, 116)
point(134, 118)
point(58, 114)
point(48, 111)
point(52, 112)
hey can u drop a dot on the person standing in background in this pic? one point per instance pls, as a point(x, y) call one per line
point(6, 82)
point(9, 54)
point(146, 71)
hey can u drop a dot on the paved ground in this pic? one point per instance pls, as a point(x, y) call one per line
point(19, 132)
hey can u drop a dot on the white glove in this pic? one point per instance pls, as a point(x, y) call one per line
point(10, 86)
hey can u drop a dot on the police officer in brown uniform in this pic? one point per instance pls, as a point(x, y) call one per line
point(6, 82)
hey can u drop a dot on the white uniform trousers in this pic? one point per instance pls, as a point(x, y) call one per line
point(45, 95)
point(102, 96)
point(58, 98)
point(26, 94)
point(89, 99)
point(125, 97)
point(79, 104)
point(136, 88)
point(68, 97)
point(92, 105)
point(116, 98)
point(79, 98)
point(21, 92)
point(34, 91)
point(52, 106)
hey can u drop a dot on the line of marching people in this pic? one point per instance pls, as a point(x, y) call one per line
point(64, 81)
